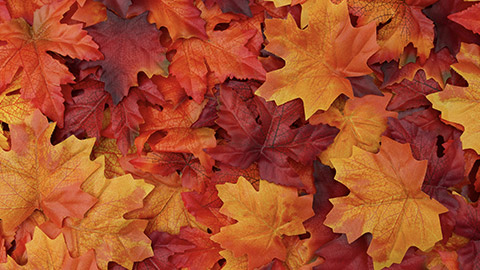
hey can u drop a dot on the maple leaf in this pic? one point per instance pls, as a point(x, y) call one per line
point(259, 230)
point(270, 142)
point(164, 245)
point(235, 6)
point(13, 108)
point(460, 104)
point(469, 255)
point(180, 137)
point(119, 6)
point(340, 254)
point(411, 93)
point(205, 206)
point(448, 33)
point(224, 54)
point(180, 17)
point(468, 18)
point(318, 58)
point(202, 256)
point(129, 46)
point(404, 23)
point(27, 48)
point(361, 121)
point(24, 9)
point(425, 133)
point(104, 228)
point(91, 12)
point(108, 148)
point(164, 209)
point(38, 175)
point(386, 200)
point(44, 253)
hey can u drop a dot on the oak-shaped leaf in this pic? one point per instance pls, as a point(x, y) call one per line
point(38, 175)
point(129, 46)
point(27, 49)
point(271, 140)
point(319, 57)
point(45, 253)
point(105, 230)
point(385, 200)
point(461, 104)
point(263, 216)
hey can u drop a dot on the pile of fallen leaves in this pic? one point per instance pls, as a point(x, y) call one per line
point(239, 134)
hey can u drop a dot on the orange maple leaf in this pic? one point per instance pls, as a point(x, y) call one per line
point(263, 218)
point(104, 228)
point(387, 201)
point(361, 122)
point(461, 104)
point(37, 175)
point(224, 54)
point(164, 209)
point(318, 58)
point(44, 253)
point(180, 17)
point(180, 137)
point(404, 23)
point(27, 48)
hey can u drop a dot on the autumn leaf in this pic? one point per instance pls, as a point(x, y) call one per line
point(42, 74)
point(318, 58)
point(448, 33)
point(224, 54)
point(271, 140)
point(361, 121)
point(164, 209)
point(180, 17)
point(13, 108)
point(259, 230)
point(104, 228)
point(385, 200)
point(235, 6)
point(412, 93)
point(403, 23)
point(44, 253)
point(460, 104)
point(129, 46)
point(180, 137)
point(38, 175)
point(468, 18)
point(107, 147)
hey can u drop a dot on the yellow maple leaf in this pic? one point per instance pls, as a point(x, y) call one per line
point(385, 200)
point(164, 208)
point(13, 108)
point(319, 57)
point(38, 175)
point(263, 218)
point(45, 253)
point(462, 104)
point(104, 228)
